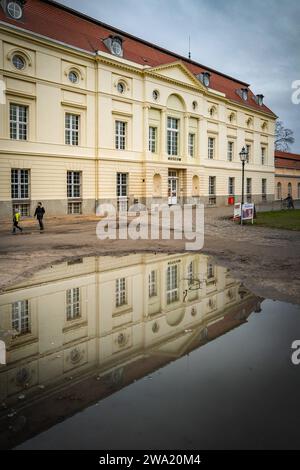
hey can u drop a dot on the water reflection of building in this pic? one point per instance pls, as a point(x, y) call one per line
point(94, 325)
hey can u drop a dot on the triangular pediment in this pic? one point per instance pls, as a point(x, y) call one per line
point(176, 72)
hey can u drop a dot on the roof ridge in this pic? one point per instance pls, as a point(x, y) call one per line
point(131, 36)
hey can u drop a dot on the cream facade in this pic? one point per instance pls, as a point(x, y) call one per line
point(100, 312)
point(119, 132)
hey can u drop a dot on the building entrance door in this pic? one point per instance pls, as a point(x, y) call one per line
point(172, 187)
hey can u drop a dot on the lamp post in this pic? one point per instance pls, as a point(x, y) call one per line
point(243, 157)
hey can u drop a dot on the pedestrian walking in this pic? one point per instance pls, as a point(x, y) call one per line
point(39, 214)
point(290, 202)
point(16, 220)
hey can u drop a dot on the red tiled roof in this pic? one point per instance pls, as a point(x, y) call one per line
point(287, 160)
point(63, 24)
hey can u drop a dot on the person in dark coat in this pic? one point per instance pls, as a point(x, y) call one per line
point(290, 202)
point(39, 214)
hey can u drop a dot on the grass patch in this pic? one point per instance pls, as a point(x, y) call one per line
point(287, 219)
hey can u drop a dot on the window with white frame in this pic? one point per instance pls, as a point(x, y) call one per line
point(264, 189)
point(211, 148)
point(191, 145)
point(152, 139)
point(73, 309)
point(19, 184)
point(172, 135)
point(120, 135)
point(263, 155)
point(279, 191)
point(121, 292)
point(212, 189)
point(74, 184)
point(172, 284)
point(74, 208)
point(230, 148)
point(20, 317)
point(249, 150)
point(18, 121)
point(72, 129)
point(249, 189)
point(231, 185)
point(24, 209)
point(153, 283)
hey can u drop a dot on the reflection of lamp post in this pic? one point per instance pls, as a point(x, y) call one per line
point(243, 157)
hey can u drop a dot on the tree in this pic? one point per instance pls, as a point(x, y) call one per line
point(283, 137)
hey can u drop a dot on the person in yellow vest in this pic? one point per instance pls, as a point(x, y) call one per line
point(16, 220)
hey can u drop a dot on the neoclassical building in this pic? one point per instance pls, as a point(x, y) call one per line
point(287, 175)
point(91, 114)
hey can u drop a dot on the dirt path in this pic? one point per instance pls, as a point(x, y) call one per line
point(267, 260)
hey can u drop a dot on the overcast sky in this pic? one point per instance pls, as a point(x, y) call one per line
point(257, 41)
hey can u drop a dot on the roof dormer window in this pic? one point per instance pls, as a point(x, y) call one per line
point(115, 45)
point(260, 99)
point(204, 78)
point(14, 10)
point(244, 93)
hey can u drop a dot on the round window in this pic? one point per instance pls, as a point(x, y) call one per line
point(155, 95)
point(73, 77)
point(116, 47)
point(18, 62)
point(121, 87)
point(14, 10)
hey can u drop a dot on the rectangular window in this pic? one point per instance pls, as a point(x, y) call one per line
point(249, 156)
point(72, 129)
point(152, 139)
point(230, 148)
point(249, 189)
point(211, 148)
point(231, 189)
point(191, 145)
point(263, 155)
point(172, 284)
point(74, 184)
point(74, 208)
point(172, 135)
point(212, 190)
point(210, 271)
point(24, 209)
point(121, 292)
point(264, 189)
point(19, 184)
point(20, 317)
point(120, 135)
point(153, 284)
point(190, 273)
point(18, 121)
point(73, 309)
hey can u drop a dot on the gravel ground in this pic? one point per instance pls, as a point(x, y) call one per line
point(267, 260)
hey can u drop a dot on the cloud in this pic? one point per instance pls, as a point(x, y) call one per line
point(254, 41)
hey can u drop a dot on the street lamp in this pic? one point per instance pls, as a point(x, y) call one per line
point(243, 157)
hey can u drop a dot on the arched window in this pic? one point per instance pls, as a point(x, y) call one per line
point(290, 189)
point(279, 191)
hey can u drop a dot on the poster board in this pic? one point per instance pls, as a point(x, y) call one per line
point(237, 210)
point(248, 211)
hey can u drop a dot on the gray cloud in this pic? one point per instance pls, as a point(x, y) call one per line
point(255, 41)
